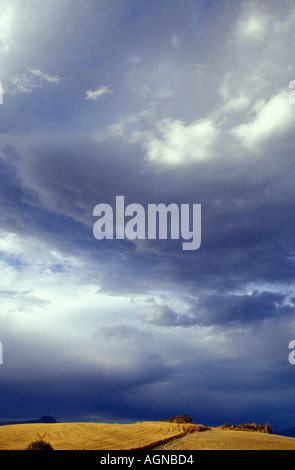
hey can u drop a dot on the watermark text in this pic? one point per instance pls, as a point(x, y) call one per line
point(158, 221)
point(292, 353)
point(292, 94)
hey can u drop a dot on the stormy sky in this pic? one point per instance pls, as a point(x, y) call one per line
point(159, 101)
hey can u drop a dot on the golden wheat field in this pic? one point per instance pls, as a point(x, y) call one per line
point(89, 436)
point(220, 439)
point(155, 435)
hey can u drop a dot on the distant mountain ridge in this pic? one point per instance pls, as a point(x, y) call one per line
point(43, 419)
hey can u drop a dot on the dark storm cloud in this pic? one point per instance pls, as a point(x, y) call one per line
point(225, 310)
point(246, 214)
point(229, 309)
point(64, 383)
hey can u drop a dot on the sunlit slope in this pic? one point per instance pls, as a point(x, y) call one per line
point(89, 436)
point(159, 435)
point(219, 439)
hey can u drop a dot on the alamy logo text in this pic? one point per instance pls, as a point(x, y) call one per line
point(158, 221)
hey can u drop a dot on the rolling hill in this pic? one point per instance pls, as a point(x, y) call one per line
point(142, 435)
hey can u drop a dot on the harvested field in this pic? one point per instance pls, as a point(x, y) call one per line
point(219, 439)
point(89, 436)
point(145, 435)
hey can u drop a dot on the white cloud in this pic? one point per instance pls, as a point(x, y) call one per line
point(273, 118)
point(27, 81)
point(242, 96)
point(257, 22)
point(44, 76)
point(253, 24)
point(160, 315)
point(234, 94)
point(95, 95)
point(7, 20)
point(238, 103)
point(253, 28)
point(179, 143)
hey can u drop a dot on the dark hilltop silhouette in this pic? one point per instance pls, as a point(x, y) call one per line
point(43, 419)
